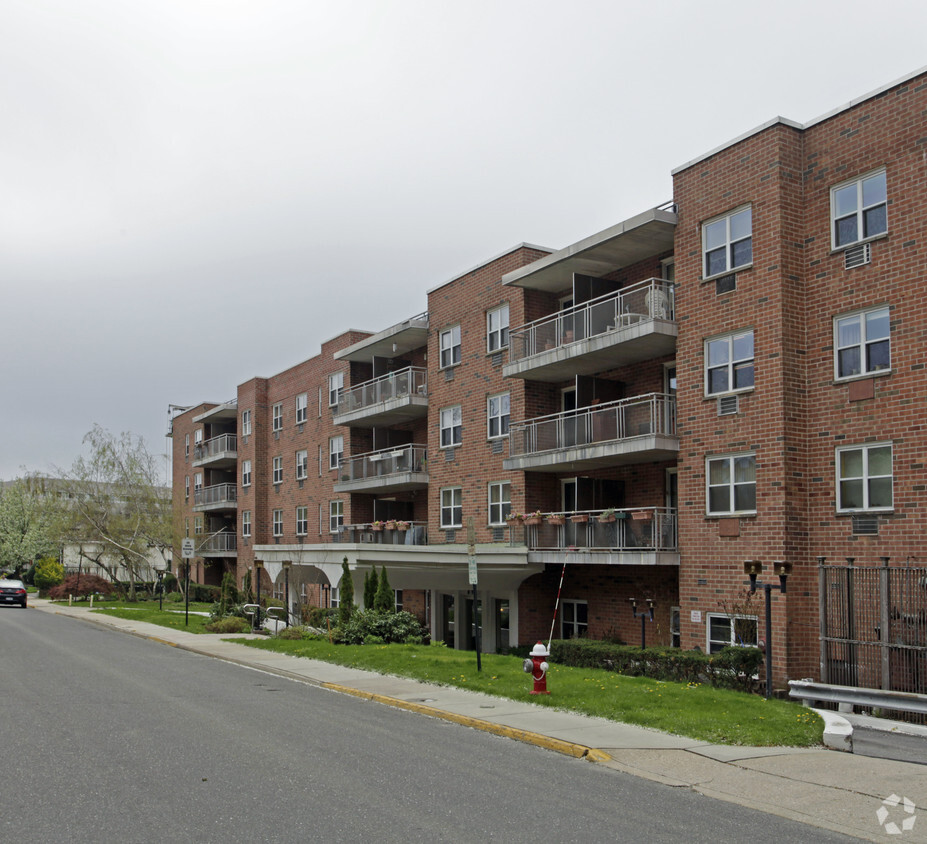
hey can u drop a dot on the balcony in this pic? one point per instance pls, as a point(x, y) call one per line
point(641, 429)
point(415, 533)
point(631, 536)
point(219, 452)
point(392, 399)
point(217, 497)
point(637, 323)
point(396, 341)
point(389, 470)
point(224, 544)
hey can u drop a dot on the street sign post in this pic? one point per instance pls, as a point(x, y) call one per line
point(187, 550)
point(472, 577)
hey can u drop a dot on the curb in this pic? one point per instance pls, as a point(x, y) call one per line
point(838, 732)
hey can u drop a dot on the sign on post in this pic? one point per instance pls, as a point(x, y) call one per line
point(187, 549)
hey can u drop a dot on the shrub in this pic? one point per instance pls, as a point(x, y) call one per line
point(385, 601)
point(202, 593)
point(229, 624)
point(370, 588)
point(174, 597)
point(81, 585)
point(295, 632)
point(401, 627)
point(346, 602)
point(322, 617)
point(170, 582)
point(48, 572)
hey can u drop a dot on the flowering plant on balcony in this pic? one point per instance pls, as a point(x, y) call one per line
point(514, 518)
point(390, 524)
point(607, 515)
point(401, 525)
point(377, 525)
point(556, 518)
point(534, 518)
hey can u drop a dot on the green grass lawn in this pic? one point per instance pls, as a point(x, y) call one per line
point(698, 711)
point(171, 616)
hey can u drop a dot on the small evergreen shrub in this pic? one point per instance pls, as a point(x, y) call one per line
point(398, 627)
point(346, 602)
point(169, 582)
point(295, 633)
point(385, 600)
point(322, 617)
point(174, 597)
point(229, 624)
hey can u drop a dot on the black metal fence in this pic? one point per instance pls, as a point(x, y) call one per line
point(874, 626)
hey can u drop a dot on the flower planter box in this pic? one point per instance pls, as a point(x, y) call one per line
point(534, 520)
point(579, 518)
point(515, 522)
point(606, 519)
point(556, 520)
point(641, 516)
point(377, 528)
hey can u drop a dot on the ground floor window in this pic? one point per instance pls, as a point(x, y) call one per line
point(333, 601)
point(675, 637)
point(724, 630)
point(574, 619)
point(398, 599)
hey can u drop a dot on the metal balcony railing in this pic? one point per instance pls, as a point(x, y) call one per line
point(222, 444)
point(416, 533)
point(385, 462)
point(645, 300)
point(219, 543)
point(407, 382)
point(627, 529)
point(654, 413)
point(218, 494)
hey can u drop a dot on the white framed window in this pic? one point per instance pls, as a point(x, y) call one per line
point(302, 408)
point(497, 416)
point(859, 210)
point(198, 524)
point(335, 386)
point(197, 437)
point(335, 515)
point(321, 518)
point(335, 451)
point(727, 242)
point(278, 522)
point(334, 597)
point(862, 344)
point(729, 363)
point(500, 502)
point(574, 619)
point(246, 473)
point(497, 328)
point(186, 445)
point(731, 484)
point(449, 342)
point(278, 470)
point(451, 426)
point(864, 478)
point(277, 417)
point(451, 507)
point(186, 528)
point(302, 521)
point(320, 460)
point(730, 630)
point(186, 487)
point(302, 464)
point(397, 599)
point(246, 423)
point(246, 523)
point(197, 482)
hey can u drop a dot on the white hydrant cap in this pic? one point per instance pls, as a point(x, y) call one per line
point(539, 650)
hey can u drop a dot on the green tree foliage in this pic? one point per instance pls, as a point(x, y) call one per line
point(346, 596)
point(48, 572)
point(385, 600)
point(27, 519)
point(370, 589)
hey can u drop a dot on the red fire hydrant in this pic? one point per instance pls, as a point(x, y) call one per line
point(537, 666)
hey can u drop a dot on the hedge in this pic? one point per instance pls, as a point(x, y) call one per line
point(732, 667)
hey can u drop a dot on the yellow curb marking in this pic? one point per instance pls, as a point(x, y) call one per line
point(568, 748)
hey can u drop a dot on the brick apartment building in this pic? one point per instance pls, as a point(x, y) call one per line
point(734, 375)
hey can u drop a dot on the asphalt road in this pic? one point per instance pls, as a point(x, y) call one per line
point(111, 738)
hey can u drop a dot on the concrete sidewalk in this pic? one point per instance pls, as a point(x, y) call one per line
point(823, 788)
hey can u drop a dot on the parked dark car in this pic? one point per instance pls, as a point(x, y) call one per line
point(12, 592)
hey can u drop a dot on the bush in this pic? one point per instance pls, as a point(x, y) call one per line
point(202, 593)
point(80, 586)
point(295, 632)
point(48, 572)
point(321, 617)
point(401, 627)
point(229, 624)
point(730, 668)
point(174, 597)
point(169, 583)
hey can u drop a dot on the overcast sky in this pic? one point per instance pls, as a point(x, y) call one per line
point(193, 193)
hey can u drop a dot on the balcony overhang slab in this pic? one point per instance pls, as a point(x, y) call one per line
point(395, 341)
point(649, 448)
point(226, 412)
point(603, 558)
point(218, 505)
point(219, 460)
point(387, 413)
point(396, 482)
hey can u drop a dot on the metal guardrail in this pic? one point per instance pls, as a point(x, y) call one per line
point(411, 381)
point(808, 691)
point(385, 462)
point(223, 444)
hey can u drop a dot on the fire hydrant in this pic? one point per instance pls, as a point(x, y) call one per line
point(537, 666)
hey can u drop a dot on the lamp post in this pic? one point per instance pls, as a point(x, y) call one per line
point(160, 574)
point(644, 616)
point(752, 568)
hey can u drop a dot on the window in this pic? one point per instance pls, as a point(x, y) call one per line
point(500, 501)
point(727, 243)
point(186, 528)
point(335, 515)
point(450, 347)
point(334, 598)
point(246, 423)
point(727, 630)
point(729, 363)
point(497, 416)
point(451, 431)
point(397, 599)
point(278, 470)
point(864, 478)
point(302, 408)
point(861, 343)
point(246, 523)
point(278, 522)
point(186, 445)
point(497, 329)
point(246, 473)
point(186, 487)
point(574, 620)
point(451, 507)
point(197, 437)
point(197, 482)
point(302, 521)
point(277, 417)
point(198, 524)
point(335, 386)
point(858, 210)
point(302, 464)
point(335, 451)
point(731, 484)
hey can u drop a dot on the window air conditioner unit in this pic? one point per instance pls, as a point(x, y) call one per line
point(857, 256)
